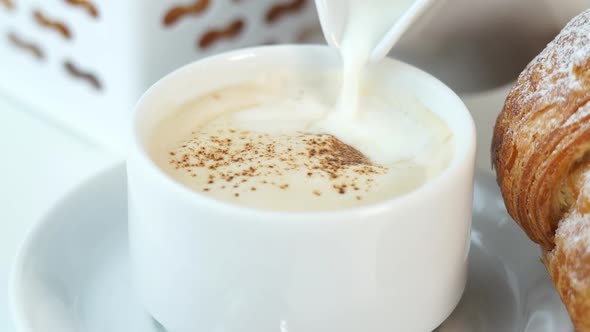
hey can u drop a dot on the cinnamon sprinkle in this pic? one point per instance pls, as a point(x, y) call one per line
point(265, 157)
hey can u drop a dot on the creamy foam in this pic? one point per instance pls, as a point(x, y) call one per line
point(264, 144)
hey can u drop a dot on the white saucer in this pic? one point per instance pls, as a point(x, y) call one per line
point(72, 275)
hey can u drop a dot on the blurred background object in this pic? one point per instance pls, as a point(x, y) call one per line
point(86, 62)
point(476, 45)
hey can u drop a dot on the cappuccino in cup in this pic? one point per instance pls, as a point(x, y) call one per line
point(277, 142)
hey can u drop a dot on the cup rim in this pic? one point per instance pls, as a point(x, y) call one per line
point(139, 153)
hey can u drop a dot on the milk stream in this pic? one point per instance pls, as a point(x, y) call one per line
point(368, 22)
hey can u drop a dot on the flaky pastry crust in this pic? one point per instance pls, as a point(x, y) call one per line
point(541, 153)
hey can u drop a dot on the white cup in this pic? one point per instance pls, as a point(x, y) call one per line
point(204, 265)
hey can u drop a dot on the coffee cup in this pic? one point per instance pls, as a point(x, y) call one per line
point(200, 264)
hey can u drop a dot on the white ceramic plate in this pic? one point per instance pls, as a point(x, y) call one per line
point(71, 274)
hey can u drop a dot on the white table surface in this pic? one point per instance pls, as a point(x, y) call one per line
point(40, 163)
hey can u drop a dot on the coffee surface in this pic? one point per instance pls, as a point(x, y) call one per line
point(262, 145)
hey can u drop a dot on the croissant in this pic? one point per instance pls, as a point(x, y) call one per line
point(541, 154)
